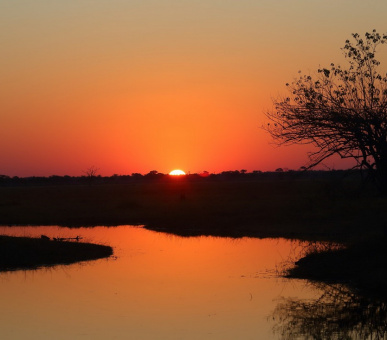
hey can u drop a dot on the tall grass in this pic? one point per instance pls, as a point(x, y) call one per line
point(293, 208)
point(27, 253)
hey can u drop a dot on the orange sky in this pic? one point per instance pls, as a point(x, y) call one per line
point(134, 86)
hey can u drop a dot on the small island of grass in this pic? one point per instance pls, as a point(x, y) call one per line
point(32, 253)
point(360, 265)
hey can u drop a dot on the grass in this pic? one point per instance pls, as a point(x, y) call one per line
point(320, 209)
point(30, 253)
point(361, 265)
point(292, 208)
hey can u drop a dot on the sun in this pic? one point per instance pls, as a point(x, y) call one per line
point(177, 172)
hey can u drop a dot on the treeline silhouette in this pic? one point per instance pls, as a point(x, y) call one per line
point(154, 175)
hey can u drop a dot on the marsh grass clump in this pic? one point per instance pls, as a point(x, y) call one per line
point(360, 264)
point(32, 253)
point(299, 251)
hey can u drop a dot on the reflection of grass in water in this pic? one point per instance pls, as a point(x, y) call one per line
point(28, 253)
point(339, 313)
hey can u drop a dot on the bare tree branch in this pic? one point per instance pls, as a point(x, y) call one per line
point(340, 111)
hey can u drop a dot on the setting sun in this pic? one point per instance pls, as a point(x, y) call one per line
point(177, 172)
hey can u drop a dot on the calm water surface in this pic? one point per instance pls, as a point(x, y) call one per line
point(156, 286)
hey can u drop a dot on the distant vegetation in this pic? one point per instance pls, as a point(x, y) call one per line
point(294, 204)
point(333, 206)
point(279, 173)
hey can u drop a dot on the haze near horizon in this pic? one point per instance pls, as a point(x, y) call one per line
point(147, 85)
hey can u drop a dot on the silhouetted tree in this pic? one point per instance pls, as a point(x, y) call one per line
point(91, 172)
point(340, 110)
point(136, 175)
point(204, 174)
point(152, 173)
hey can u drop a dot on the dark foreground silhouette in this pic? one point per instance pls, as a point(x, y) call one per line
point(31, 253)
point(312, 206)
point(361, 266)
point(338, 313)
point(326, 206)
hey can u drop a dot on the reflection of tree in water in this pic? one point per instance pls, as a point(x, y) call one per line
point(337, 314)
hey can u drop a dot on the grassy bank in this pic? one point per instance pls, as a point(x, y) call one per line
point(361, 265)
point(292, 207)
point(30, 253)
point(319, 209)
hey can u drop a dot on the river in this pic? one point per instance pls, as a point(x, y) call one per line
point(156, 286)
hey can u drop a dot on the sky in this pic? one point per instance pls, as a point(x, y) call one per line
point(133, 86)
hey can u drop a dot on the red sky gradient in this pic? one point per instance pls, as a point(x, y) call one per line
point(134, 86)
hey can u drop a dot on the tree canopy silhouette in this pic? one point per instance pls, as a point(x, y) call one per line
point(340, 110)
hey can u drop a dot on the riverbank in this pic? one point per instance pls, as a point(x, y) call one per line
point(361, 265)
point(331, 208)
point(290, 207)
point(30, 253)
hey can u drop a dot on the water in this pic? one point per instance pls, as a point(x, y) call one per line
point(156, 286)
